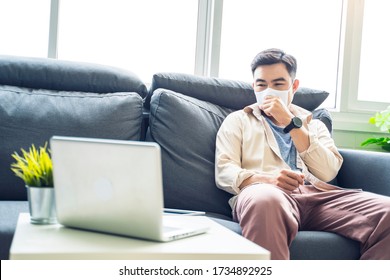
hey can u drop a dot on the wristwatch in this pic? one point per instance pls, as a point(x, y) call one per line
point(295, 123)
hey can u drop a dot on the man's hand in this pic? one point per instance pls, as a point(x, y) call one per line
point(286, 179)
point(275, 108)
point(281, 115)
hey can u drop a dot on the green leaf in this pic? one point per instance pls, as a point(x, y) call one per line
point(386, 147)
point(381, 120)
point(370, 141)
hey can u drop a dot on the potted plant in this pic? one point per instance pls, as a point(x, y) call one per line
point(35, 168)
point(381, 120)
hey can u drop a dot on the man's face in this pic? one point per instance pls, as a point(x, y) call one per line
point(276, 77)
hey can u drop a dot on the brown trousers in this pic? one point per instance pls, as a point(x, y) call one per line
point(271, 217)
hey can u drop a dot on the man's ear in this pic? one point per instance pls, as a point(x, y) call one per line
point(295, 85)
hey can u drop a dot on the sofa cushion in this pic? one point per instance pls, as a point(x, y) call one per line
point(32, 116)
point(323, 115)
point(309, 98)
point(9, 213)
point(186, 128)
point(227, 93)
point(321, 245)
point(366, 170)
point(46, 73)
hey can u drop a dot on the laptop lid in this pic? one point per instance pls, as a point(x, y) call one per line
point(111, 186)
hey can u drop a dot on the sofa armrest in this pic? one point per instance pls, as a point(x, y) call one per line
point(366, 170)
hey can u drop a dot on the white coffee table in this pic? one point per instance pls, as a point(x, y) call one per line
point(58, 242)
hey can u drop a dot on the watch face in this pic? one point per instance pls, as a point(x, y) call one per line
point(297, 122)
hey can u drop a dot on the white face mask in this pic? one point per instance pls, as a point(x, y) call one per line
point(282, 94)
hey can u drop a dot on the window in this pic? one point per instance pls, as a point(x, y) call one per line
point(309, 30)
point(24, 27)
point(145, 36)
point(374, 57)
point(340, 45)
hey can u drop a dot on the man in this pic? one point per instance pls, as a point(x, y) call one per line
point(275, 158)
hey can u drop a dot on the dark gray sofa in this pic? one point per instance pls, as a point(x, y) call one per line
point(42, 97)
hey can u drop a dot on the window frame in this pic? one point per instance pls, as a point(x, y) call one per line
point(53, 29)
point(351, 61)
point(349, 114)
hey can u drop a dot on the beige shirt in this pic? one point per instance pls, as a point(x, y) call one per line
point(245, 146)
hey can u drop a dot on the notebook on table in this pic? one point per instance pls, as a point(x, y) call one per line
point(113, 186)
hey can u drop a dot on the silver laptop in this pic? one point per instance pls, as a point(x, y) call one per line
point(113, 186)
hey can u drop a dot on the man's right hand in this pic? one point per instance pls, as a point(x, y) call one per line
point(286, 179)
point(289, 180)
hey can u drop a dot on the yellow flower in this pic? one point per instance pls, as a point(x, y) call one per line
point(34, 166)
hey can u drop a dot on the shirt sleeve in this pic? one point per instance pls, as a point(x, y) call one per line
point(322, 157)
point(229, 174)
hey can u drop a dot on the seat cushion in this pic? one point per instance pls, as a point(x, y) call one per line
point(9, 213)
point(233, 226)
point(186, 128)
point(311, 245)
point(31, 116)
point(320, 245)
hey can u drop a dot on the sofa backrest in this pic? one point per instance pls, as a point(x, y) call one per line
point(233, 94)
point(61, 75)
point(227, 93)
point(40, 98)
point(186, 112)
